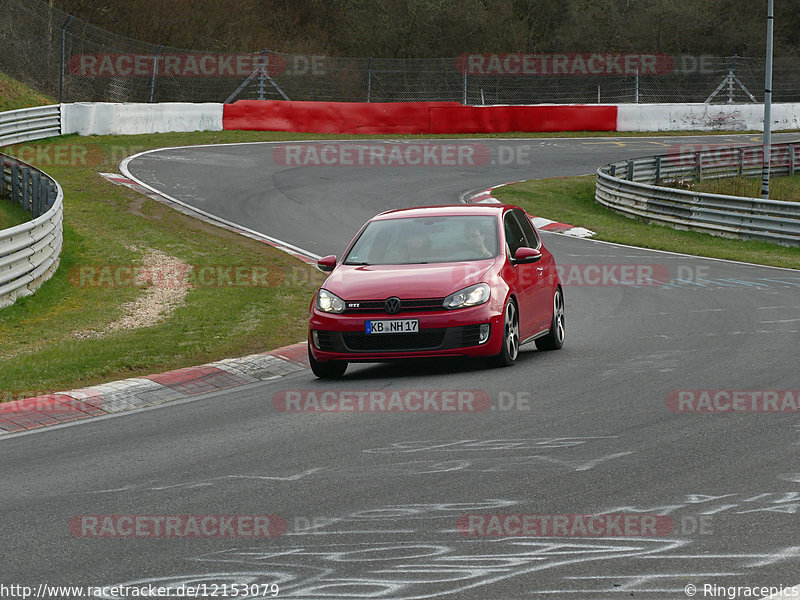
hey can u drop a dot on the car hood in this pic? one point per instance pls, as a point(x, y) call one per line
point(377, 282)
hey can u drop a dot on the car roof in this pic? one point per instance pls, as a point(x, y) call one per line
point(448, 210)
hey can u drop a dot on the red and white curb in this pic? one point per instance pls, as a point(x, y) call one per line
point(487, 197)
point(139, 392)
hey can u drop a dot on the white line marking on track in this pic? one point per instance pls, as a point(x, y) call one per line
point(282, 245)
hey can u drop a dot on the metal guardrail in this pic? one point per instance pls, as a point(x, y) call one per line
point(29, 124)
point(634, 188)
point(29, 253)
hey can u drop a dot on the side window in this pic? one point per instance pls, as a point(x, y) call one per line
point(515, 238)
point(528, 230)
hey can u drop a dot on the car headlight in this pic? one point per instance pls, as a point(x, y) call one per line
point(469, 296)
point(329, 303)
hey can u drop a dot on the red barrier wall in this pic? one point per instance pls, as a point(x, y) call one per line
point(499, 119)
point(413, 117)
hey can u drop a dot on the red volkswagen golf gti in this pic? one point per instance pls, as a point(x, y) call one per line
point(465, 280)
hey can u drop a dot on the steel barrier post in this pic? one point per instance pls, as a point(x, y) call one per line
point(36, 180)
point(52, 194)
point(155, 71)
point(262, 76)
point(43, 196)
point(26, 189)
point(369, 80)
point(16, 194)
point(34, 194)
point(63, 57)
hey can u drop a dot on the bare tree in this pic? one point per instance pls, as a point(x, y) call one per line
point(446, 28)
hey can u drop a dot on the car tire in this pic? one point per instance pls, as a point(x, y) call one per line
point(510, 350)
point(331, 369)
point(555, 337)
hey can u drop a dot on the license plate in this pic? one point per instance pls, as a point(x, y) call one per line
point(393, 326)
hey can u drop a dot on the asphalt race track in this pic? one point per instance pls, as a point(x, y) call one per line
point(373, 502)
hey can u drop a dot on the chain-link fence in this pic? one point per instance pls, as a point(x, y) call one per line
point(74, 61)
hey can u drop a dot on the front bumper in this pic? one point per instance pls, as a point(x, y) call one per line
point(441, 334)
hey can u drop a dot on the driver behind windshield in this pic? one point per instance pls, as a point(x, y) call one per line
point(476, 238)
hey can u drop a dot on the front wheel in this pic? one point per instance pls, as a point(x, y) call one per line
point(332, 369)
point(510, 350)
point(555, 337)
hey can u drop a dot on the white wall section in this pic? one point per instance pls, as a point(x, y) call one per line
point(705, 117)
point(107, 118)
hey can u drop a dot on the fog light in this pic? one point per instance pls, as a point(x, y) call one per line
point(315, 338)
point(484, 333)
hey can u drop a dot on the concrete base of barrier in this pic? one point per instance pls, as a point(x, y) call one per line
point(106, 118)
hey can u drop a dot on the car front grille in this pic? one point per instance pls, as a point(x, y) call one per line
point(407, 305)
point(426, 339)
point(445, 338)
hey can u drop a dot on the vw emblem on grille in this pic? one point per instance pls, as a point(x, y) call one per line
point(392, 305)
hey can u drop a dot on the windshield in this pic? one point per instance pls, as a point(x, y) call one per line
point(420, 240)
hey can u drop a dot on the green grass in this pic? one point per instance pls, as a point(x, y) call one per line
point(14, 95)
point(571, 200)
point(11, 214)
point(782, 188)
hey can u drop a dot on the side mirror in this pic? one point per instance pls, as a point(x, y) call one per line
point(327, 263)
point(527, 255)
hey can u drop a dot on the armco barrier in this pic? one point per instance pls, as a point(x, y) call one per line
point(632, 188)
point(29, 253)
point(413, 117)
point(29, 124)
